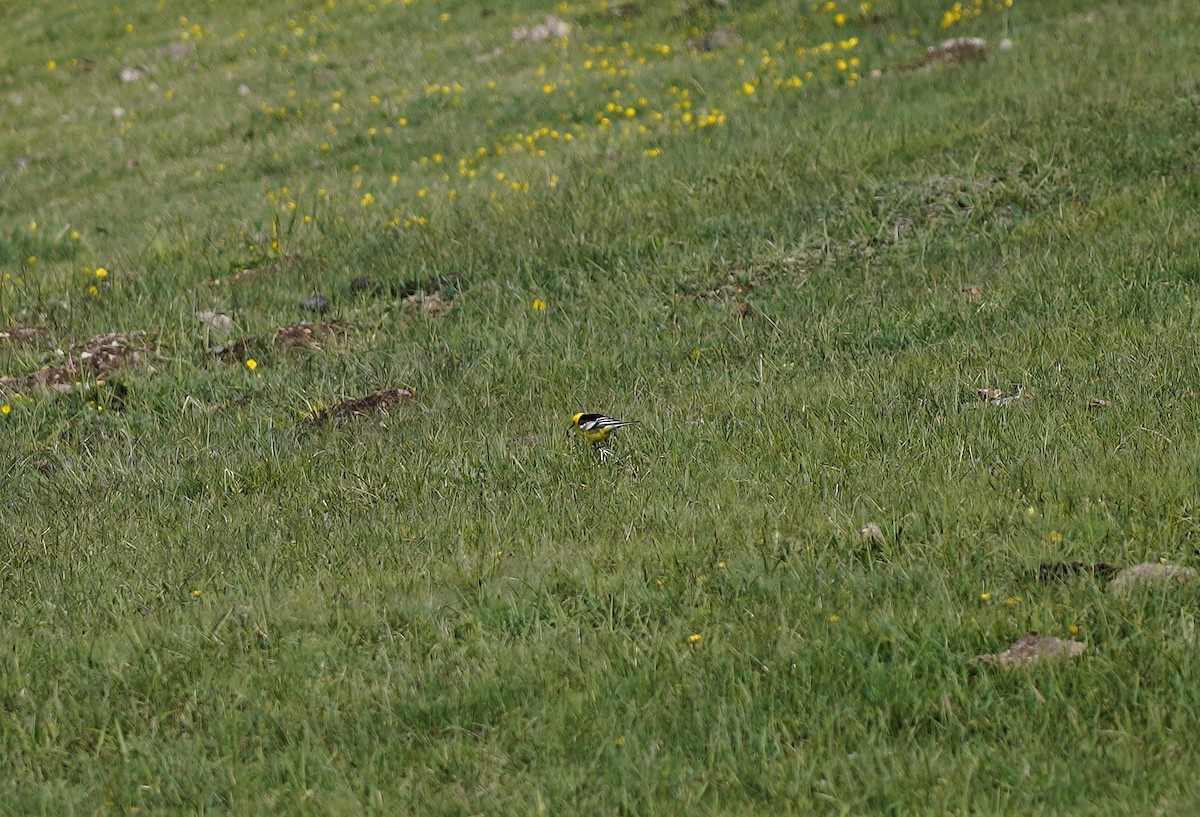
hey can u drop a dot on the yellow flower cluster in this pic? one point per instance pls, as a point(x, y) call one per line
point(451, 138)
point(960, 12)
point(16, 400)
point(638, 113)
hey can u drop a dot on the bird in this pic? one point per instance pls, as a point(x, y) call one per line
point(596, 428)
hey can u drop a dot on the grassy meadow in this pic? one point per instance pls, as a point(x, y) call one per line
point(297, 301)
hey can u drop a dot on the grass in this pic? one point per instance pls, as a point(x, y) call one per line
point(212, 604)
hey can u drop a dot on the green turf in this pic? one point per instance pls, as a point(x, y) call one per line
point(794, 259)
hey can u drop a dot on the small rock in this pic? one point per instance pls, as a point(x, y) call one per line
point(132, 73)
point(316, 302)
point(361, 285)
point(1149, 573)
point(215, 320)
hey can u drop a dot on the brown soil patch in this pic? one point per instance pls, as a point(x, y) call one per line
point(1031, 649)
point(444, 286)
point(305, 335)
point(380, 401)
point(25, 334)
point(237, 351)
point(1059, 571)
point(308, 335)
point(98, 356)
point(957, 51)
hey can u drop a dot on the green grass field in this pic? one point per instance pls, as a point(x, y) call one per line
point(780, 235)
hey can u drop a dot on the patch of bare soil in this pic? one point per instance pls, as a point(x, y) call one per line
point(97, 356)
point(1031, 649)
point(957, 51)
point(1149, 574)
point(308, 335)
point(236, 351)
point(380, 401)
point(25, 334)
point(1060, 571)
